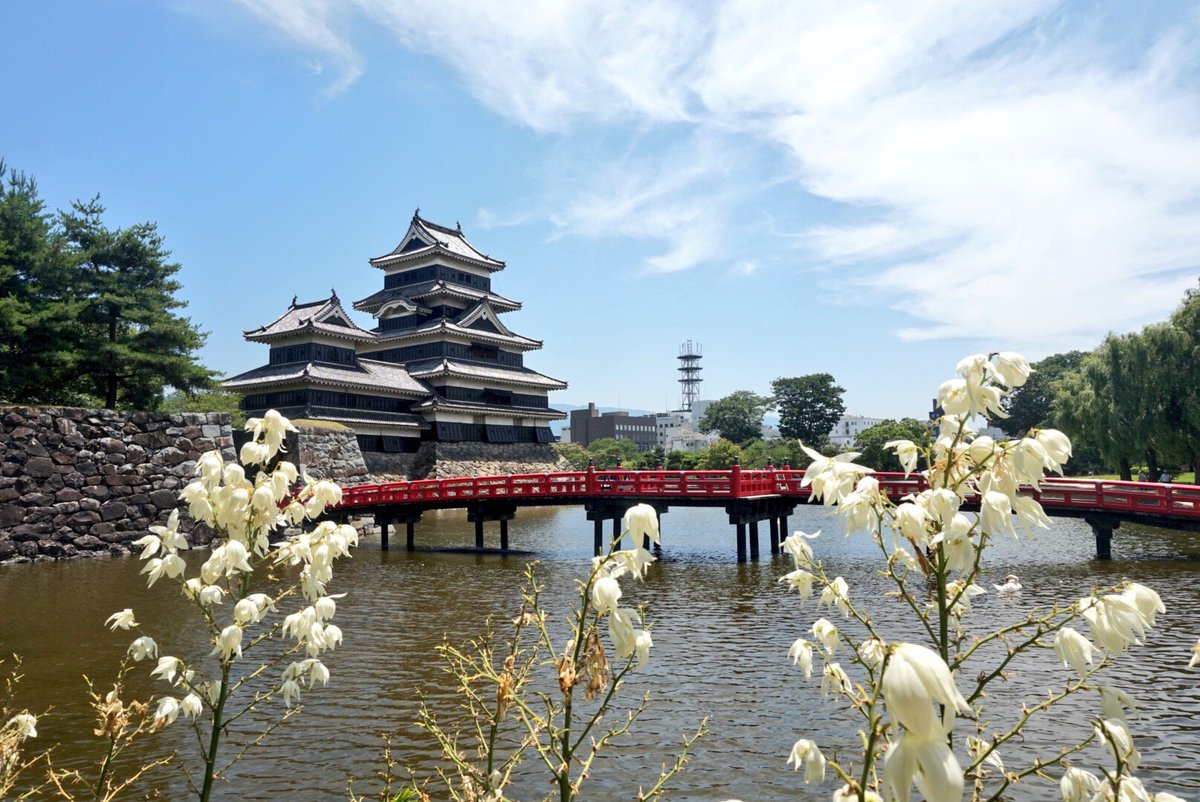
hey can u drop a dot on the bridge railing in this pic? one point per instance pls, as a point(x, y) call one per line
point(1135, 498)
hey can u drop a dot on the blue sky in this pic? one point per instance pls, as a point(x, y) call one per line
point(870, 190)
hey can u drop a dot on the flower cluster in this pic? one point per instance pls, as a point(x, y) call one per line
point(247, 503)
point(909, 697)
point(640, 523)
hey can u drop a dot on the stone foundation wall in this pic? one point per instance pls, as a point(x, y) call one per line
point(81, 482)
point(331, 454)
point(445, 460)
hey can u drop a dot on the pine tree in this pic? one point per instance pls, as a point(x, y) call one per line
point(133, 344)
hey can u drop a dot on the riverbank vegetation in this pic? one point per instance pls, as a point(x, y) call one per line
point(1132, 401)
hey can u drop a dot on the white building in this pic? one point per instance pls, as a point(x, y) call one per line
point(848, 427)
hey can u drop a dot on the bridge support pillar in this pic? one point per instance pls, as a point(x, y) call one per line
point(492, 511)
point(603, 510)
point(383, 533)
point(1103, 527)
point(409, 535)
point(752, 510)
point(783, 529)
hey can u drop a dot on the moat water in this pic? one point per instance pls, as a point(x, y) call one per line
point(721, 635)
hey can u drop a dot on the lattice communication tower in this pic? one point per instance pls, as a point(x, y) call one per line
point(689, 373)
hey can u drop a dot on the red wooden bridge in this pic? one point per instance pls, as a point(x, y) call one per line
point(749, 496)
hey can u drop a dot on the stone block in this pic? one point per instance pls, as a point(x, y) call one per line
point(11, 515)
point(112, 445)
point(89, 542)
point(164, 499)
point(112, 511)
point(84, 519)
point(34, 448)
point(39, 467)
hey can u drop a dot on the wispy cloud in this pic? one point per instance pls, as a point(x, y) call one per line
point(1024, 152)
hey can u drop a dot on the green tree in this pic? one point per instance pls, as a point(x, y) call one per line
point(39, 339)
point(809, 406)
point(737, 417)
point(575, 454)
point(720, 456)
point(214, 400)
point(1031, 406)
point(761, 453)
point(133, 344)
point(608, 452)
point(680, 461)
point(1102, 402)
point(648, 460)
point(870, 442)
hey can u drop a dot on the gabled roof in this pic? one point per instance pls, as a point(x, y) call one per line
point(481, 316)
point(441, 327)
point(411, 295)
point(424, 238)
point(370, 374)
point(439, 403)
point(326, 317)
point(521, 377)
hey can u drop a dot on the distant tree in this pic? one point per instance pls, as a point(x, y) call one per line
point(132, 343)
point(575, 454)
point(648, 460)
point(680, 461)
point(809, 406)
point(38, 336)
point(737, 417)
point(870, 442)
point(608, 452)
point(720, 456)
point(761, 453)
point(1030, 406)
point(1101, 402)
point(214, 400)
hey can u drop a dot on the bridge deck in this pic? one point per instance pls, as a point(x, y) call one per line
point(1170, 505)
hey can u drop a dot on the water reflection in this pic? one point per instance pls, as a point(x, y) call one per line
point(721, 636)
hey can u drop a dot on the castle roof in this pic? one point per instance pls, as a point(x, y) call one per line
point(432, 289)
point(429, 370)
point(370, 374)
point(442, 404)
point(325, 317)
point(424, 238)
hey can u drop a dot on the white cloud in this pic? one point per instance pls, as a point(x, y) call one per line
point(993, 169)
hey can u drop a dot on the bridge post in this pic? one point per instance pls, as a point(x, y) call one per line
point(754, 540)
point(774, 535)
point(735, 480)
point(479, 533)
point(503, 534)
point(616, 533)
point(658, 517)
point(1103, 527)
point(383, 532)
point(409, 527)
point(741, 543)
point(598, 537)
